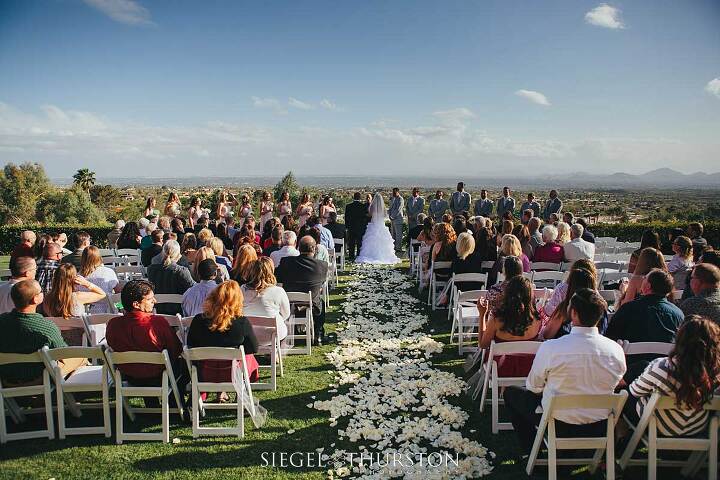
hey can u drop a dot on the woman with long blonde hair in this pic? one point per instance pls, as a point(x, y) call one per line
point(246, 255)
point(92, 268)
point(223, 324)
point(263, 298)
point(563, 230)
point(63, 299)
point(202, 254)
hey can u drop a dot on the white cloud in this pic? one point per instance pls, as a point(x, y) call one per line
point(295, 103)
point(270, 104)
point(605, 16)
point(454, 115)
point(330, 105)
point(128, 12)
point(533, 96)
point(713, 87)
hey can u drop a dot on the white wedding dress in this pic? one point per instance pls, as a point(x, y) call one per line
point(377, 243)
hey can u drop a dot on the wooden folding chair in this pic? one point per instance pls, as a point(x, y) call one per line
point(611, 402)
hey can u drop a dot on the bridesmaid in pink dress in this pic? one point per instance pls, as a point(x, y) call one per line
point(266, 210)
point(284, 207)
point(325, 209)
point(304, 210)
point(244, 210)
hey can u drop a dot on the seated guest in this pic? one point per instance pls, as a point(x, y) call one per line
point(130, 236)
point(41, 244)
point(62, 240)
point(506, 228)
point(670, 236)
point(695, 232)
point(46, 267)
point(147, 254)
point(515, 319)
point(142, 225)
point(563, 235)
point(289, 239)
point(512, 267)
point(305, 274)
point(709, 256)
point(265, 239)
point(203, 237)
point(336, 229)
point(21, 268)
point(194, 297)
point(568, 218)
point(705, 284)
point(536, 239)
point(321, 253)
point(443, 250)
point(326, 237)
point(690, 374)
point(25, 247)
point(522, 233)
point(426, 239)
point(221, 256)
point(587, 235)
point(649, 318)
point(63, 300)
point(263, 298)
point(147, 239)
point(139, 330)
point(92, 268)
point(510, 248)
point(485, 246)
point(221, 323)
point(81, 240)
point(414, 232)
point(559, 322)
point(649, 239)
point(682, 261)
point(578, 248)
point(560, 290)
point(221, 272)
point(26, 331)
point(527, 214)
point(550, 250)
point(459, 224)
point(177, 227)
point(188, 247)
point(244, 259)
point(583, 362)
point(169, 277)
point(649, 259)
point(275, 241)
point(466, 261)
point(224, 235)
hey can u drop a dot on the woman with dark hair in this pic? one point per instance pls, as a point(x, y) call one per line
point(511, 267)
point(222, 234)
point(690, 374)
point(649, 259)
point(150, 208)
point(289, 224)
point(459, 225)
point(516, 319)
point(485, 245)
point(266, 231)
point(649, 239)
point(195, 212)
point(506, 228)
point(326, 207)
point(130, 236)
point(426, 240)
point(522, 233)
point(177, 227)
point(559, 323)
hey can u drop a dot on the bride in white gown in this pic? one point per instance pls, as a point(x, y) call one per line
point(377, 243)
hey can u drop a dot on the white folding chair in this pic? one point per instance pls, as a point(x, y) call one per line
point(604, 266)
point(332, 269)
point(326, 294)
point(436, 285)
point(176, 322)
point(646, 432)
point(610, 295)
point(642, 348)
point(168, 298)
point(542, 295)
point(107, 252)
point(548, 279)
point(542, 266)
point(96, 324)
point(71, 323)
point(113, 261)
point(197, 387)
point(677, 295)
point(123, 390)
point(412, 250)
point(303, 301)
point(606, 444)
point(88, 378)
point(528, 275)
point(127, 252)
point(487, 265)
point(467, 318)
point(607, 278)
point(8, 394)
point(265, 329)
point(5, 273)
point(565, 266)
point(341, 242)
point(459, 278)
point(496, 382)
point(113, 300)
point(129, 272)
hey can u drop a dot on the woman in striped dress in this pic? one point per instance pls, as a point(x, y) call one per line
point(690, 374)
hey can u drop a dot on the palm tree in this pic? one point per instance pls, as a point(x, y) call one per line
point(85, 179)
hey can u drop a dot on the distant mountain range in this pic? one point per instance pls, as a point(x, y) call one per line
point(660, 178)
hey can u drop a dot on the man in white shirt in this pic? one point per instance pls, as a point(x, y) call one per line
point(581, 363)
point(194, 297)
point(578, 248)
point(288, 249)
point(21, 268)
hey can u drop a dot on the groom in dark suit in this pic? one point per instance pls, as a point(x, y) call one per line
point(356, 220)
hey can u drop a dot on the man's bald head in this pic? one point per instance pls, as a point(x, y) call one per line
point(51, 251)
point(23, 267)
point(307, 245)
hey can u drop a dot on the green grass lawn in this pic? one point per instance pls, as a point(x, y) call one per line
point(229, 457)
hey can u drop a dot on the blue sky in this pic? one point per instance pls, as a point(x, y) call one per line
point(184, 87)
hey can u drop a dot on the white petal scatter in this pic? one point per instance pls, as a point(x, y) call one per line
point(391, 407)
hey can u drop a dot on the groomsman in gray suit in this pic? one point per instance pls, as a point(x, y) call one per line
point(554, 205)
point(415, 205)
point(395, 213)
point(506, 203)
point(484, 206)
point(531, 204)
point(460, 200)
point(438, 207)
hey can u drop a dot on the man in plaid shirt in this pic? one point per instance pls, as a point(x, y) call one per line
point(47, 266)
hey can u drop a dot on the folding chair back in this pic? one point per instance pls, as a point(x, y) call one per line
point(87, 378)
point(543, 266)
point(612, 277)
point(460, 278)
point(613, 403)
point(9, 393)
point(437, 284)
point(265, 329)
point(113, 300)
point(5, 273)
point(340, 242)
point(176, 322)
point(130, 272)
point(548, 278)
point(565, 266)
point(96, 324)
point(614, 266)
point(123, 391)
point(244, 392)
point(300, 301)
point(107, 252)
point(640, 348)
point(125, 252)
point(487, 265)
point(71, 323)
point(466, 319)
point(113, 261)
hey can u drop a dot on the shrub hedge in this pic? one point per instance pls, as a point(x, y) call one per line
point(629, 232)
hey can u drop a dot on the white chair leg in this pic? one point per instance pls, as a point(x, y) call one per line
point(495, 400)
point(60, 408)
point(552, 453)
point(119, 404)
point(106, 406)
point(652, 449)
point(195, 393)
point(3, 423)
point(165, 405)
point(713, 451)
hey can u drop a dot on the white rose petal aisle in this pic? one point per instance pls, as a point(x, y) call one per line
point(394, 418)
